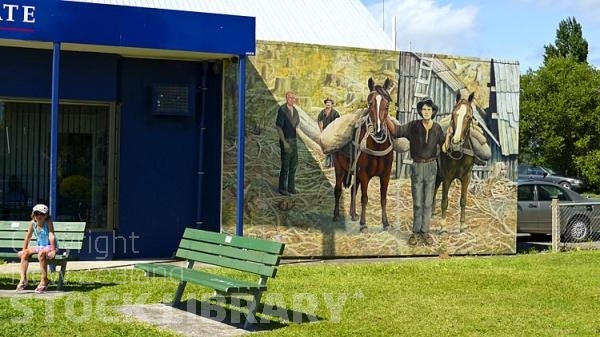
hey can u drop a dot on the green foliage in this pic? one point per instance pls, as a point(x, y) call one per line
point(76, 187)
point(559, 124)
point(569, 42)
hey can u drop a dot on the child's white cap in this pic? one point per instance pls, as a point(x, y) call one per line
point(40, 208)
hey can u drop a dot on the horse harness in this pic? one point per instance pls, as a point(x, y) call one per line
point(461, 149)
point(360, 144)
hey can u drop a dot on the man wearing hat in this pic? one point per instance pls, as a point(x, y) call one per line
point(325, 117)
point(426, 138)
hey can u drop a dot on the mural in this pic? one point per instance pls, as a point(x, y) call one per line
point(304, 220)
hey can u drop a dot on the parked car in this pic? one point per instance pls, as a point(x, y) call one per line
point(534, 212)
point(546, 174)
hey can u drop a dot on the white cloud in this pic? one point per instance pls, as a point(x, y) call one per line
point(425, 25)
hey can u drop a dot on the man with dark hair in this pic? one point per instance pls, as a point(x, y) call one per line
point(426, 137)
point(286, 124)
point(325, 117)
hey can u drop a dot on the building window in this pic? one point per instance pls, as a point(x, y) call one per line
point(82, 163)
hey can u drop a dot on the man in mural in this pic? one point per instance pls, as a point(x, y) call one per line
point(325, 117)
point(286, 123)
point(426, 137)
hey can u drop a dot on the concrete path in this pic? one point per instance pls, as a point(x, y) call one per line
point(180, 320)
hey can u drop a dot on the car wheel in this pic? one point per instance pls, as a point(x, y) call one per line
point(578, 230)
point(565, 184)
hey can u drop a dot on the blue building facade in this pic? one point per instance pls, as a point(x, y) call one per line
point(113, 115)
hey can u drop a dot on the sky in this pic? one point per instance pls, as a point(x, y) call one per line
point(514, 30)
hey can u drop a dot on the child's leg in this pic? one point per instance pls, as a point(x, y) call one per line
point(26, 253)
point(43, 265)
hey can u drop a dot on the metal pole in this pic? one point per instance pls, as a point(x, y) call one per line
point(555, 225)
point(383, 15)
point(54, 107)
point(394, 33)
point(239, 227)
point(201, 143)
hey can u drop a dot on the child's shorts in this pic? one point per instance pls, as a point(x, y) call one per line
point(38, 249)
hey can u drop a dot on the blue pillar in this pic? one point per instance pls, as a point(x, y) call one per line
point(54, 106)
point(239, 227)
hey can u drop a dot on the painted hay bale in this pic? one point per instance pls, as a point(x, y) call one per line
point(339, 132)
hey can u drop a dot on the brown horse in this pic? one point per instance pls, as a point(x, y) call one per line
point(370, 156)
point(457, 162)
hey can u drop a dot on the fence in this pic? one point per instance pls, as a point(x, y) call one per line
point(575, 223)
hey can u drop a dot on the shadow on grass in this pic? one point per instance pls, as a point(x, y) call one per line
point(8, 283)
point(268, 318)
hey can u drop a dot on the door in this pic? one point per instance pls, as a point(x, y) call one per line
point(527, 208)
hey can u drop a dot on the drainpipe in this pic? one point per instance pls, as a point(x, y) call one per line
point(201, 141)
point(239, 227)
point(54, 126)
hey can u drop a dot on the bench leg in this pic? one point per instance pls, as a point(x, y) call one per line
point(179, 293)
point(61, 275)
point(251, 318)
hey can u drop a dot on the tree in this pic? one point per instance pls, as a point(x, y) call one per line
point(569, 42)
point(559, 124)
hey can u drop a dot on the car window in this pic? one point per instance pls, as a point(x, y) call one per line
point(536, 171)
point(525, 193)
point(547, 193)
point(522, 169)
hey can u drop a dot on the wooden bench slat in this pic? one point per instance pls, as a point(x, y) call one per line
point(69, 236)
point(12, 255)
point(69, 226)
point(13, 225)
point(233, 240)
point(229, 251)
point(223, 261)
point(18, 244)
point(71, 245)
point(17, 235)
point(20, 235)
point(213, 281)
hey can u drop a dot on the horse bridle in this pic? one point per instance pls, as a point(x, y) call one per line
point(459, 147)
point(382, 136)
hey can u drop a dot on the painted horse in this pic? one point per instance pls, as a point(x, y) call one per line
point(457, 162)
point(370, 156)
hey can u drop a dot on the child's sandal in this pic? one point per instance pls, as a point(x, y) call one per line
point(41, 288)
point(22, 285)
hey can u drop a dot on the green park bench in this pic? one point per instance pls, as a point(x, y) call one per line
point(256, 256)
point(69, 235)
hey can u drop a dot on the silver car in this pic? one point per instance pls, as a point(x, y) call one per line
point(543, 173)
point(534, 212)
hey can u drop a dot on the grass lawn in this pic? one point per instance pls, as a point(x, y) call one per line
point(527, 295)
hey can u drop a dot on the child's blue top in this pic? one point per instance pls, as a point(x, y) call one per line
point(42, 234)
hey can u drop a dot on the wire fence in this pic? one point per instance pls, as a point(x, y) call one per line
point(575, 223)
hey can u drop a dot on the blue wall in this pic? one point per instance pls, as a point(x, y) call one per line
point(83, 76)
point(159, 160)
